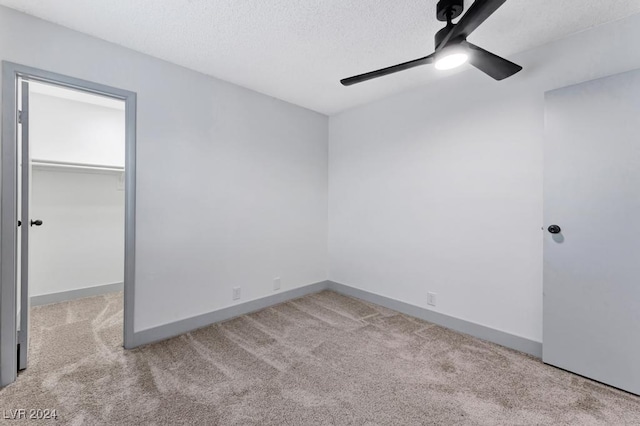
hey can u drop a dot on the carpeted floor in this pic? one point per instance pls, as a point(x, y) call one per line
point(319, 360)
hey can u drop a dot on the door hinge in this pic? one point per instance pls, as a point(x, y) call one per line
point(19, 117)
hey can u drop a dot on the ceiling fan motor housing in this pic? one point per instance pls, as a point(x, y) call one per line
point(449, 9)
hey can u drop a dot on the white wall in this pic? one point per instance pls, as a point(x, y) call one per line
point(231, 184)
point(74, 131)
point(81, 243)
point(440, 189)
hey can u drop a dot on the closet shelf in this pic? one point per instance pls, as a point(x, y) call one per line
point(59, 165)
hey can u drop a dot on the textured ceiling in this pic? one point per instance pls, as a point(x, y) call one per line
point(298, 50)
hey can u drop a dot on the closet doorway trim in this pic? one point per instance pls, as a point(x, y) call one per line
point(11, 72)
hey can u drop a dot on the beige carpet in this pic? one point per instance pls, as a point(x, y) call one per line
point(319, 360)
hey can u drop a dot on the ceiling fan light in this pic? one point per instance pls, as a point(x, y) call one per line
point(451, 60)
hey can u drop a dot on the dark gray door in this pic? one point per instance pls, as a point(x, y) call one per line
point(592, 265)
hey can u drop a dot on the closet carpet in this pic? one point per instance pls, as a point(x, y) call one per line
point(324, 359)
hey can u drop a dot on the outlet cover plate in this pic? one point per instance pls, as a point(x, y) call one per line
point(431, 299)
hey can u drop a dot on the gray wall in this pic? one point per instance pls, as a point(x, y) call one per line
point(232, 184)
point(440, 189)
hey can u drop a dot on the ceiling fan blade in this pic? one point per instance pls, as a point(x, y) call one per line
point(490, 64)
point(385, 71)
point(479, 11)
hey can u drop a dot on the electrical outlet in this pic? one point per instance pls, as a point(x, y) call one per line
point(431, 299)
point(236, 293)
point(277, 282)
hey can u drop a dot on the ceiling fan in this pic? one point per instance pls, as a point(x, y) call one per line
point(452, 47)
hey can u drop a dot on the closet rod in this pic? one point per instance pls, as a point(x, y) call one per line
point(76, 165)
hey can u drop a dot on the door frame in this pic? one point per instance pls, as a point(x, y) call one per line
point(8, 203)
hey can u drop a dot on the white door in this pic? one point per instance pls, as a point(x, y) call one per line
point(592, 265)
point(25, 222)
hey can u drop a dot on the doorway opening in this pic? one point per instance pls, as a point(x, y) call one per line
point(68, 214)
